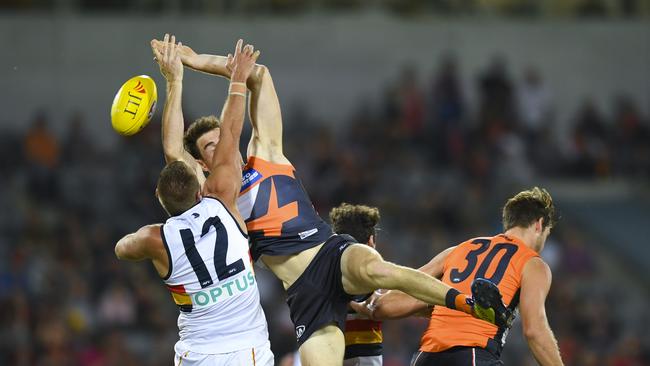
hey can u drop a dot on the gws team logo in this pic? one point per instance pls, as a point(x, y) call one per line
point(249, 177)
point(299, 331)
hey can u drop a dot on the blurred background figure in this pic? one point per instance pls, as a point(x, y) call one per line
point(461, 104)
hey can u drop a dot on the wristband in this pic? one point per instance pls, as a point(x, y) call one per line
point(450, 299)
point(233, 88)
point(236, 93)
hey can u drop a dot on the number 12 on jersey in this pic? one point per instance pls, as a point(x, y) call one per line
point(220, 251)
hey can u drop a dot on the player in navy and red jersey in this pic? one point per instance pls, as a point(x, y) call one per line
point(363, 336)
point(510, 260)
point(320, 270)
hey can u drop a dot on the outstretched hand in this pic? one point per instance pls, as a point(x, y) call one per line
point(185, 52)
point(242, 63)
point(166, 54)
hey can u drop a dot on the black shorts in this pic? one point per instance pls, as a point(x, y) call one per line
point(317, 297)
point(457, 356)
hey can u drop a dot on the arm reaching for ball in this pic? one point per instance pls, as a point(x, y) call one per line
point(173, 126)
point(264, 106)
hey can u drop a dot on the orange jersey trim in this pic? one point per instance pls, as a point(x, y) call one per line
point(266, 169)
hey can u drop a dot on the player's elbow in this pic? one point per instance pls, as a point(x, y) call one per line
point(122, 250)
point(260, 74)
point(533, 333)
point(172, 154)
point(119, 251)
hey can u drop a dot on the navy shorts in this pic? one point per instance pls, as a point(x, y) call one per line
point(457, 356)
point(317, 297)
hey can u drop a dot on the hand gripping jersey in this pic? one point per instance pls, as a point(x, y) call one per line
point(280, 217)
point(211, 280)
point(500, 259)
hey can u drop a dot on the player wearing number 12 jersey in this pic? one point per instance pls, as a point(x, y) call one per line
point(201, 252)
point(510, 260)
point(319, 269)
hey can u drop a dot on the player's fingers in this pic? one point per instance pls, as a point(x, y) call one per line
point(359, 307)
point(256, 55)
point(248, 50)
point(165, 45)
point(172, 46)
point(238, 46)
point(157, 55)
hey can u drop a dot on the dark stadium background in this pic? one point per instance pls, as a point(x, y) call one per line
point(434, 111)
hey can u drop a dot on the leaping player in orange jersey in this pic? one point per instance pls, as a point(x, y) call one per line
point(319, 269)
point(510, 260)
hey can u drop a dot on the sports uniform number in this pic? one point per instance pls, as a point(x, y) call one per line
point(220, 251)
point(472, 261)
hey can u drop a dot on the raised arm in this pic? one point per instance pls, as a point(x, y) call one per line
point(264, 106)
point(535, 284)
point(173, 126)
point(225, 167)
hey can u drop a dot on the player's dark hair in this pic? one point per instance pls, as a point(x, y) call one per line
point(177, 187)
point(527, 207)
point(199, 127)
point(356, 220)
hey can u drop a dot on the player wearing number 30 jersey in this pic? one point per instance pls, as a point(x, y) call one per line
point(511, 261)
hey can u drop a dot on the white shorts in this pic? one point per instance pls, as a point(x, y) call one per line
point(364, 361)
point(254, 356)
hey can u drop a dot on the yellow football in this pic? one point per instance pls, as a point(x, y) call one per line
point(134, 105)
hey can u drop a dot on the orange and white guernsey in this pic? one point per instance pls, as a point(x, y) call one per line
point(500, 259)
point(279, 215)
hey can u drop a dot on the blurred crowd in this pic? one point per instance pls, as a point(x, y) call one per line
point(510, 8)
point(437, 167)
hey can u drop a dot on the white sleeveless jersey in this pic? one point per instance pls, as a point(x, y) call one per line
point(211, 279)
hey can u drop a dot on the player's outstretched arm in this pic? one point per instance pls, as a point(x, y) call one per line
point(264, 106)
point(225, 167)
point(168, 59)
point(535, 284)
point(209, 64)
point(394, 304)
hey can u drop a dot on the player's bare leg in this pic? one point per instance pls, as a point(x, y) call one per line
point(364, 270)
point(325, 347)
